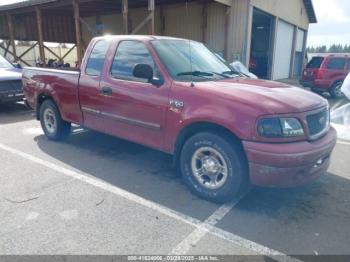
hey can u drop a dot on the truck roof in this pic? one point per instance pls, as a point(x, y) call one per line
point(139, 37)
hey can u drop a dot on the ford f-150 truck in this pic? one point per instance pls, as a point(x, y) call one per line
point(225, 131)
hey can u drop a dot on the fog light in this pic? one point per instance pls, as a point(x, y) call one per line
point(319, 163)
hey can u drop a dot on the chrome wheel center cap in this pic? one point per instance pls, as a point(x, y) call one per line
point(211, 165)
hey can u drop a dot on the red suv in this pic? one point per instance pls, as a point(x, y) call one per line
point(326, 74)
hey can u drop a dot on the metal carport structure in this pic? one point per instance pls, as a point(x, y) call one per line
point(62, 21)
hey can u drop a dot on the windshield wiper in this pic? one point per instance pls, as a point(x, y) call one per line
point(203, 74)
point(233, 72)
point(222, 74)
point(196, 73)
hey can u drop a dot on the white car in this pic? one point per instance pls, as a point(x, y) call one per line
point(340, 117)
point(346, 86)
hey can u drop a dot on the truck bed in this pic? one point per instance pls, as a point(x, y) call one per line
point(61, 84)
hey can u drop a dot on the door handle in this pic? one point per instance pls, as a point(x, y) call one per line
point(106, 91)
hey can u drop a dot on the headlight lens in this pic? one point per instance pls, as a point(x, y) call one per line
point(280, 127)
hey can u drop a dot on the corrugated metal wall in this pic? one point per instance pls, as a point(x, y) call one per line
point(216, 27)
point(57, 28)
point(293, 12)
point(240, 27)
point(177, 21)
point(184, 22)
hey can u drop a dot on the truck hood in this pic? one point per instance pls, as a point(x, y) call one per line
point(272, 97)
point(9, 74)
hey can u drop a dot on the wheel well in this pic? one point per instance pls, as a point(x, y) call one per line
point(195, 128)
point(337, 81)
point(40, 100)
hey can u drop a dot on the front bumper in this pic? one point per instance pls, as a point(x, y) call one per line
point(11, 96)
point(290, 164)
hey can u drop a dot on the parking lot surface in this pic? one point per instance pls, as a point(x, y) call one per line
point(95, 194)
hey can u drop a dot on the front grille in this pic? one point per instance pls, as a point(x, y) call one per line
point(318, 123)
point(10, 86)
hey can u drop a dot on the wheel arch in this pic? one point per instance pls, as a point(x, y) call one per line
point(197, 127)
point(40, 100)
point(336, 81)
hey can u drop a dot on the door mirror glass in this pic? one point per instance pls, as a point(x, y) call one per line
point(144, 71)
point(17, 65)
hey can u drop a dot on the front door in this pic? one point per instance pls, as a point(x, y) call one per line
point(132, 108)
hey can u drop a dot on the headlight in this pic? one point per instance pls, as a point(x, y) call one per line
point(280, 127)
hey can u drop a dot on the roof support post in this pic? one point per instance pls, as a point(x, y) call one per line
point(11, 34)
point(151, 7)
point(162, 20)
point(40, 35)
point(77, 30)
point(125, 11)
point(204, 21)
point(227, 41)
point(292, 62)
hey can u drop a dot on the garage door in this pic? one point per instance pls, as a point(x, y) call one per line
point(283, 50)
point(299, 48)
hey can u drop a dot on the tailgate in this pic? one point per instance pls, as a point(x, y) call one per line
point(309, 74)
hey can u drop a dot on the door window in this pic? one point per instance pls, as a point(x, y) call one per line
point(129, 54)
point(336, 64)
point(97, 57)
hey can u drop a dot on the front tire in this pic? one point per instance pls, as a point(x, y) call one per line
point(55, 128)
point(336, 90)
point(214, 167)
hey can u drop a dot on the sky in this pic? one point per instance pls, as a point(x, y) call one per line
point(333, 25)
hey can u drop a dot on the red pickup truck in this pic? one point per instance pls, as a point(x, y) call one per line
point(226, 131)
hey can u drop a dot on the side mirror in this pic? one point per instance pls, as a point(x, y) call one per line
point(17, 65)
point(143, 71)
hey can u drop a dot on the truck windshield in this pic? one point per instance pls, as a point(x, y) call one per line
point(190, 61)
point(4, 63)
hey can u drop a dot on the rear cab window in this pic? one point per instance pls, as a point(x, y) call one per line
point(315, 63)
point(336, 64)
point(94, 65)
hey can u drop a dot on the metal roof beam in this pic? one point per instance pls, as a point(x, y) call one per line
point(224, 2)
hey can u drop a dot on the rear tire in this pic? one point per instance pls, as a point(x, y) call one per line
point(214, 167)
point(335, 91)
point(55, 128)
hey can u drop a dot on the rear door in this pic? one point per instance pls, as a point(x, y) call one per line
point(336, 69)
point(134, 109)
